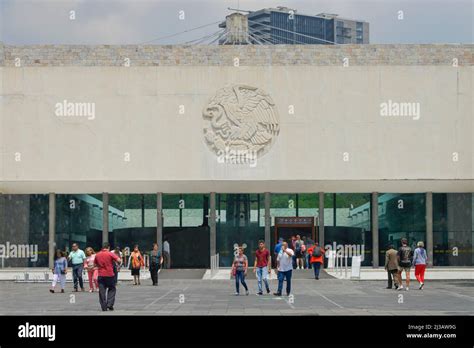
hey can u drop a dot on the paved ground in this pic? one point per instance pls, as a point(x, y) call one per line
point(205, 297)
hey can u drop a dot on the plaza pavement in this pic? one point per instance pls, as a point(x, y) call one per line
point(327, 296)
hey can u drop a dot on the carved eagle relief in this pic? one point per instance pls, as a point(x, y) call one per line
point(240, 118)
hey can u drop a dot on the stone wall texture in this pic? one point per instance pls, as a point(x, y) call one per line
point(250, 55)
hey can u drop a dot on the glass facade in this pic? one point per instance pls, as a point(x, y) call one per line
point(186, 228)
point(284, 28)
point(78, 220)
point(24, 230)
point(132, 220)
point(240, 222)
point(401, 215)
point(347, 222)
point(453, 229)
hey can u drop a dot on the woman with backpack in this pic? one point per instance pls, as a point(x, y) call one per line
point(419, 260)
point(316, 259)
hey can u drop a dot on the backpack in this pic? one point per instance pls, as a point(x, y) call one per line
point(316, 252)
point(405, 256)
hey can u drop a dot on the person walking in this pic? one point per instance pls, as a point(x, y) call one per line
point(166, 254)
point(293, 247)
point(391, 266)
point(104, 261)
point(317, 259)
point(299, 252)
point(156, 260)
point(59, 271)
point(262, 266)
point(239, 270)
point(136, 262)
point(419, 261)
point(92, 272)
point(285, 268)
point(308, 242)
point(277, 249)
point(117, 266)
point(405, 255)
point(77, 257)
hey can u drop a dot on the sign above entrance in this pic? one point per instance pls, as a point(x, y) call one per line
point(296, 220)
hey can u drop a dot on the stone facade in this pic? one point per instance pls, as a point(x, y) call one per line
point(249, 55)
point(146, 132)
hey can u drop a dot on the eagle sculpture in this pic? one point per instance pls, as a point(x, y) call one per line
point(240, 118)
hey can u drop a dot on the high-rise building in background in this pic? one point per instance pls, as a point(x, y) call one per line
point(283, 25)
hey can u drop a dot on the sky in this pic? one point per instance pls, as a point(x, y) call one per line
point(25, 22)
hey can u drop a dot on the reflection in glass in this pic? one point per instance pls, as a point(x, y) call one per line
point(240, 222)
point(186, 227)
point(453, 229)
point(401, 215)
point(347, 222)
point(24, 230)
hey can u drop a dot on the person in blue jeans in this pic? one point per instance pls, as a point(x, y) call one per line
point(239, 270)
point(277, 249)
point(316, 259)
point(262, 266)
point(285, 268)
point(77, 257)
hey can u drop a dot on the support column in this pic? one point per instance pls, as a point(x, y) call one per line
point(429, 227)
point(52, 230)
point(375, 229)
point(212, 224)
point(159, 220)
point(105, 217)
point(321, 219)
point(268, 221)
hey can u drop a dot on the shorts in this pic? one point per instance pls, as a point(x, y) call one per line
point(406, 269)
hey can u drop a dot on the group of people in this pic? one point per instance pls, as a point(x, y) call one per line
point(79, 261)
point(301, 247)
point(102, 269)
point(401, 261)
point(306, 254)
point(285, 257)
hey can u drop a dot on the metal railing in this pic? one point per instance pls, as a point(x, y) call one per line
point(341, 265)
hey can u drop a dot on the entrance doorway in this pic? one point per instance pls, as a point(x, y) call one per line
point(286, 227)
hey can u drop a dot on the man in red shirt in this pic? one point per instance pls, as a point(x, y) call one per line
point(104, 261)
point(262, 266)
